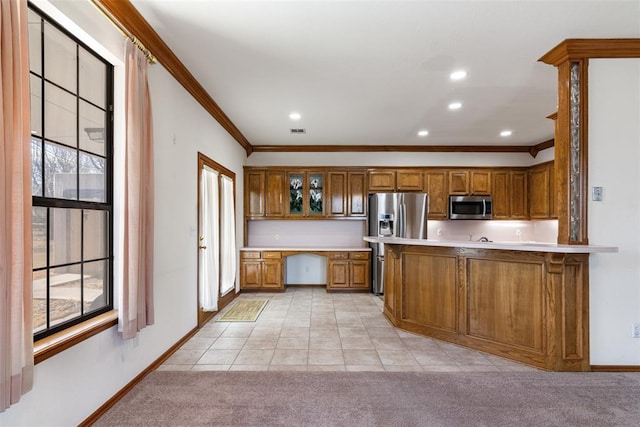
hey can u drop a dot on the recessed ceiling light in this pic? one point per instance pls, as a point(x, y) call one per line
point(506, 133)
point(455, 105)
point(423, 132)
point(295, 116)
point(458, 75)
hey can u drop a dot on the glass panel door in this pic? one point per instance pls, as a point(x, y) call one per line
point(296, 199)
point(316, 194)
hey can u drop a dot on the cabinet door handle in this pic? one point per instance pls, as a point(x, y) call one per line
point(202, 247)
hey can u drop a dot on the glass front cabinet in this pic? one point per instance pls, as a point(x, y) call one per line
point(306, 194)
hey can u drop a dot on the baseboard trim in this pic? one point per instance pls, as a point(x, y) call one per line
point(615, 368)
point(124, 390)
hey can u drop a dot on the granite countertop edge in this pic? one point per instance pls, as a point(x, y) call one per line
point(514, 246)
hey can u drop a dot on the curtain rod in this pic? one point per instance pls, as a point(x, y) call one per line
point(147, 53)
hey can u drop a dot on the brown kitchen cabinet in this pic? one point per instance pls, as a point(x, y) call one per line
point(346, 194)
point(264, 193)
point(458, 182)
point(409, 180)
point(261, 270)
point(357, 194)
point(306, 194)
point(519, 195)
point(501, 194)
point(349, 271)
point(274, 193)
point(539, 191)
point(337, 193)
point(382, 180)
point(436, 186)
point(480, 182)
point(254, 194)
point(509, 192)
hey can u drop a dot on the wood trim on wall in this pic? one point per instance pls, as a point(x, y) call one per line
point(127, 388)
point(129, 17)
point(535, 149)
point(394, 148)
point(615, 368)
point(575, 49)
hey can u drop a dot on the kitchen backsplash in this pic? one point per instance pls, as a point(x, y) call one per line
point(277, 233)
point(312, 233)
point(497, 231)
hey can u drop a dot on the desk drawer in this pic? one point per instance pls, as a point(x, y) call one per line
point(339, 255)
point(250, 254)
point(359, 255)
point(271, 255)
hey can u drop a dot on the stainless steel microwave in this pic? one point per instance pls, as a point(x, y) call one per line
point(470, 207)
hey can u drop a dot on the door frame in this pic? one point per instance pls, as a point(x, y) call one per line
point(223, 300)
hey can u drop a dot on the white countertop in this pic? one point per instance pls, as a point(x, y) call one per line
point(305, 249)
point(511, 246)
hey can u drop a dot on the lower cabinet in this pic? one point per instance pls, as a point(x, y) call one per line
point(349, 271)
point(261, 270)
point(264, 270)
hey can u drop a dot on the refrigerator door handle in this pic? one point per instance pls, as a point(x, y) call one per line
point(402, 220)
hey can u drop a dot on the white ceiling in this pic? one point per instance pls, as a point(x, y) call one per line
point(376, 72)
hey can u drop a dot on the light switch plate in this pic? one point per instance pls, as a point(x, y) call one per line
point(596, 194)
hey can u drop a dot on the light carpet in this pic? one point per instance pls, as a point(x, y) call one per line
point(246, 310)
point(379, 399)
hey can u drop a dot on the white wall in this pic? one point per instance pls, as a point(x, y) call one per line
point(614, 162)
point(71, 385)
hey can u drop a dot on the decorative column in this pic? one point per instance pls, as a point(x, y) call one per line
point(571, 57)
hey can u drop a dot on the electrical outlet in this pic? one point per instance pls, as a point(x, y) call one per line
point(635, 331)
point(439, 232)
point(518, 232)
point(276, 237)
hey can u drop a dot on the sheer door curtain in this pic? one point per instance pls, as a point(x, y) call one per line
point(209, 257)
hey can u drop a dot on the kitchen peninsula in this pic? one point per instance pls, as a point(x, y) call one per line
point(523, 301)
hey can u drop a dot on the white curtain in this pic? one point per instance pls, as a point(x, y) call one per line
point(209, 257)
point(227, 237)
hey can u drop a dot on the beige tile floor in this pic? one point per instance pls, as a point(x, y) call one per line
point(308, 329)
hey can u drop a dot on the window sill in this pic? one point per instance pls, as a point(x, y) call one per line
point(54, 344)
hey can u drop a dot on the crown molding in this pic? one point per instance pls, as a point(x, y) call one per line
point(129, 17)
point(577, 49)
point(532, 150)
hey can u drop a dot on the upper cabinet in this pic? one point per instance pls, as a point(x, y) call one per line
point(541, 191)
point(357, 194)
point(325, 192)
point(306, 193)
point(509, 191)
point(337, 193)
point(436, 185)
point(254, 193)
point(469, 182)
point(263, 195)
point(382, 180)
point(480, 182)
point(409, 180)
point(274, 192)
point(458, 182)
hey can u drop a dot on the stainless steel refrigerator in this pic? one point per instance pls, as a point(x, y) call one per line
point(394, 215)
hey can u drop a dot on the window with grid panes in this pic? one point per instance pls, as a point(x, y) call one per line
point(71, 169)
